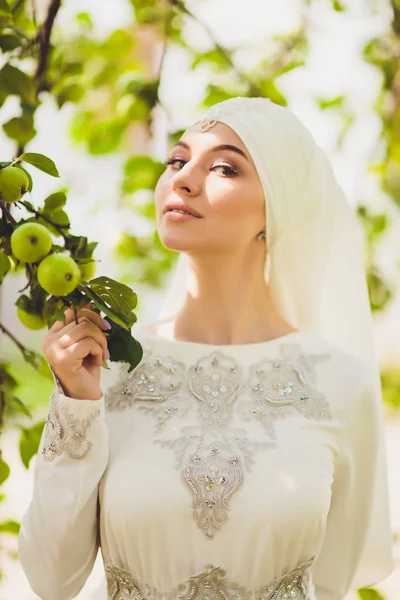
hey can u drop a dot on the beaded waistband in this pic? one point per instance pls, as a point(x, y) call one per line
point(211, 584)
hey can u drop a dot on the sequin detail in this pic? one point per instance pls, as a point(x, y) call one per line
point(212, 453)
point(285, 387)
point(211, 584)
point(230, 107)
point(66, 433)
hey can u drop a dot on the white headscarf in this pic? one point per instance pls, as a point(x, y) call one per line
point(315, 268)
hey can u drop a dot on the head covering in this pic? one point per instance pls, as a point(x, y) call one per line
point(314, 269)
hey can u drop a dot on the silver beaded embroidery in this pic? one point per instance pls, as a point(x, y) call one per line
point(213, 470)
point(230, 107)
point(156, 383)
point(66, 433)
point(211, 584)
point(286, 387)
point(214, 455)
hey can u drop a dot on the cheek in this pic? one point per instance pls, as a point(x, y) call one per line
point(160, 192)
point(239, 199)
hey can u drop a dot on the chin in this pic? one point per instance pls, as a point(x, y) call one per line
point(176, 242)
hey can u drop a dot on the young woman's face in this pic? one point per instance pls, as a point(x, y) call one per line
point(220, 184)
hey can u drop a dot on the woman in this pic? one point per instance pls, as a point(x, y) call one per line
point(244, 456)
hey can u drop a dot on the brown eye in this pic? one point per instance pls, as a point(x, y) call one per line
point(229, 171)
point(172, 161)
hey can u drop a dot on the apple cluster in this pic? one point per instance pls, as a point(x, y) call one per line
point(31, 242)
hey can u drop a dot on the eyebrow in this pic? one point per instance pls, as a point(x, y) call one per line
point(216, 148)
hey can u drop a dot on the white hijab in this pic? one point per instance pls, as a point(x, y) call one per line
point(315, 265)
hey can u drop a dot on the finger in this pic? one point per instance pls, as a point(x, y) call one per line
point(81, 331)
point(70, 318)
point(84, 349)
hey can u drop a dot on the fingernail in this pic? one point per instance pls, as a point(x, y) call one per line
point(106, 324)
point(107, 354)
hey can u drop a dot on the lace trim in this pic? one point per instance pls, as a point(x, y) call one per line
point(211, 584)
point(230, 107)
point(66, 433)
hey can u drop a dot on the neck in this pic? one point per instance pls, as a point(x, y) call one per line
point(227, 305)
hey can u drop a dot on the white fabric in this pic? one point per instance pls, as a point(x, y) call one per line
point(310, 495)
point(314, 266)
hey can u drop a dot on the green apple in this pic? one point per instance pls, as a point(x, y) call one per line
point(88, 270)
point(58, 274)
point(30, 320)
point(13, 184)
point(30, 242)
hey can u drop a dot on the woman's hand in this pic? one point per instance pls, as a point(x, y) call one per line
point(76, 352)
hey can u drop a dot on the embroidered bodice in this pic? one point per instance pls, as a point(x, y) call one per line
point(211, 472)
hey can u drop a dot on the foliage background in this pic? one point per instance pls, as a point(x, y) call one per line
point(334, 63)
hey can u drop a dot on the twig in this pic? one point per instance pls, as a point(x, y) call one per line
point(46, 218)
point(20, 346)
point(43, 37)
point(6, 212)
point(17, 5)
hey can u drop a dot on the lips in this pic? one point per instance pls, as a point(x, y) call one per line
point(181, 206)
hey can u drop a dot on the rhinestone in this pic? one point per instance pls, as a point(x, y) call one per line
point(260, 371)
point(233, 369)
point(206, 387)
point(172, 386)
point(277, 365)
point(257, 387)
point(286, 390)
point(151, 388)
point(215, 376)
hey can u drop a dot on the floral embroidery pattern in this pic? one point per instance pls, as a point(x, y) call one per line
point(212, 584)
point(285, 387)
point(214, 454)
point(66, 433)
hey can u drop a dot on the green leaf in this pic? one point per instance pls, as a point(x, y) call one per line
point(116, 299)
point(84, 19)
point(5, 14)
point(123, 347)
point(10, 527)
point(330, 103)
point(17, 82)
point(5, 264)
point(9, 41)
point(59, 217)
point(141, 172)
point(40, 161)
point(29, 442)
point(21, 406)
point(4, 471)
point(214, 57)
point(105, 137)
point(20, 128)
point(54, 202)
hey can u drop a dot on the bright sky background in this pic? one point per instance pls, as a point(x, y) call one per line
point(334, 67)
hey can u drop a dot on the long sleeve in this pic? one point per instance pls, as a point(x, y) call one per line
point(58, 540)
point(357, 547)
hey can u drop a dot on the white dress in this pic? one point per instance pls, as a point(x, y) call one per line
point(233, 472)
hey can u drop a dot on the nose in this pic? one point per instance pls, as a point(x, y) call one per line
point(186, 181)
